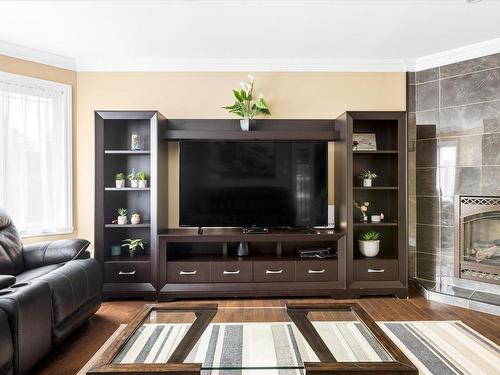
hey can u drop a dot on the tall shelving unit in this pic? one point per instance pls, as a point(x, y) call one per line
point(126, 276)
point(387, 273)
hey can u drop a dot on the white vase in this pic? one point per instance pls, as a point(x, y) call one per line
point(143, 183)
point(367, 182)
point(120, 184)
point(245, 124)
point(369, 248)
point(134, 183)
point(122, 220)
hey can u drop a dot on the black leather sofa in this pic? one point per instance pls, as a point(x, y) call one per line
point(47, 290)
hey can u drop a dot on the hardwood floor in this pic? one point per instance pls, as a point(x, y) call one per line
point(75, 352)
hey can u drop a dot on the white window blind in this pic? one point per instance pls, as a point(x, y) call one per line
point(35, 154)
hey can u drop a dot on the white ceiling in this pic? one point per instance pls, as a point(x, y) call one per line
point(248, 35)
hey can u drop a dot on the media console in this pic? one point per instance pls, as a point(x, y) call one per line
point(206, 265)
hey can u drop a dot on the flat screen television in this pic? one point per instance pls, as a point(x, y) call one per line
point(244, 184)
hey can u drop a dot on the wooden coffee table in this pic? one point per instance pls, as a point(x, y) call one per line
point(194, 339)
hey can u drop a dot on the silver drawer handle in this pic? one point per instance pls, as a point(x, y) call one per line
point(316, 271)
point(126, 273)
point(273, 272)
point(231, 272)
point(194, 272)
point(376, 270)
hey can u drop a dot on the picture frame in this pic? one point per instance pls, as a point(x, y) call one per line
point(365, 141)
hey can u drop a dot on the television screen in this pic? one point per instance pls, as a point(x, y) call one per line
point(243, 184)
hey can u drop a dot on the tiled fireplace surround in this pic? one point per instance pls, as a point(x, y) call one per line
point(453, 149)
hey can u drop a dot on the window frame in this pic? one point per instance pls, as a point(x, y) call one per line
point(67, 103)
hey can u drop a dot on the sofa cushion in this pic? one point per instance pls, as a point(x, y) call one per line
point(34, 273)
point(72, 285)
point(11, 257)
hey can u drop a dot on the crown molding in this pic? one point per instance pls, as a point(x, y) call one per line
point(451, 56)
point(238, 65)
point(35, 55)
point(256, 65)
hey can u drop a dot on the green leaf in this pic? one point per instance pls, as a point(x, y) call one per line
point(243, 95)
point(261, 103)
point(265, 111)
point(237, 95)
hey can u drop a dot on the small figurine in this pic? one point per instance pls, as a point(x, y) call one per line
point(381, 216)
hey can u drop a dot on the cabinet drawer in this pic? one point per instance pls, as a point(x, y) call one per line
point(188, 272)
point(375, 270)
point(316, 270)
point(127, 272)
point(273, 271)
point(231, 272)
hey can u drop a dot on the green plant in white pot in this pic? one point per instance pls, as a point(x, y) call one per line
point(245, 106)
point(141, 177)
point(367, 176)
point(122, 216)
point(369, 243)
point(132, 176)
point(133, 245)
point(120, 180)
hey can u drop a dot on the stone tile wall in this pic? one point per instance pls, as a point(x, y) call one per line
point(454, 148)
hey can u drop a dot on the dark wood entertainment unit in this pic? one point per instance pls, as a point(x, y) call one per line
point(206, 265)
point(180, 263)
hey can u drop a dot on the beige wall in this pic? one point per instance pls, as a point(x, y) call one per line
point(201, 95)
point(28, 68)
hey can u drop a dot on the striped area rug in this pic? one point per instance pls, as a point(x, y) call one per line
point(435, 347)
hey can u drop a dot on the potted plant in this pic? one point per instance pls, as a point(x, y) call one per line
point(367, 176)
point(120, 180)
point(141, 176)
point(245, 107)
point(122, 216)
point(132, 176)
point(135, 218)
point(369, 244)
point(363, 207)
point(133, 245)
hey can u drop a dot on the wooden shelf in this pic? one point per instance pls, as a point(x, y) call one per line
point(126, 189)
point(145, 224)
point(127, 258)
point(127, 152)
point(383, 224)
point(179, 135)
point(382, 152)
point(375, 188)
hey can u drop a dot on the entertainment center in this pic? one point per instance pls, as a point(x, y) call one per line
point(226, 178)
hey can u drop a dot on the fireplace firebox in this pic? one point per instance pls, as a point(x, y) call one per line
point(477, 238)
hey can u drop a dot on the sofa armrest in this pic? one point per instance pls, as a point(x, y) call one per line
point(53, 252)
point(6, 281)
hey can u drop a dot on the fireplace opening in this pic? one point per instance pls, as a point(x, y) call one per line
point(477, 242)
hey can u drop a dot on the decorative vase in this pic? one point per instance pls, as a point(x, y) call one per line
point(135, 219)
point(132, 253)
point(242, 250)
point(245, 124)
point(367, 182)
point(120, 184)
point(364, 218)
point(134, 183)
point(116, 250)
point(369, 248)
point(143, 184)
point(122, 220)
